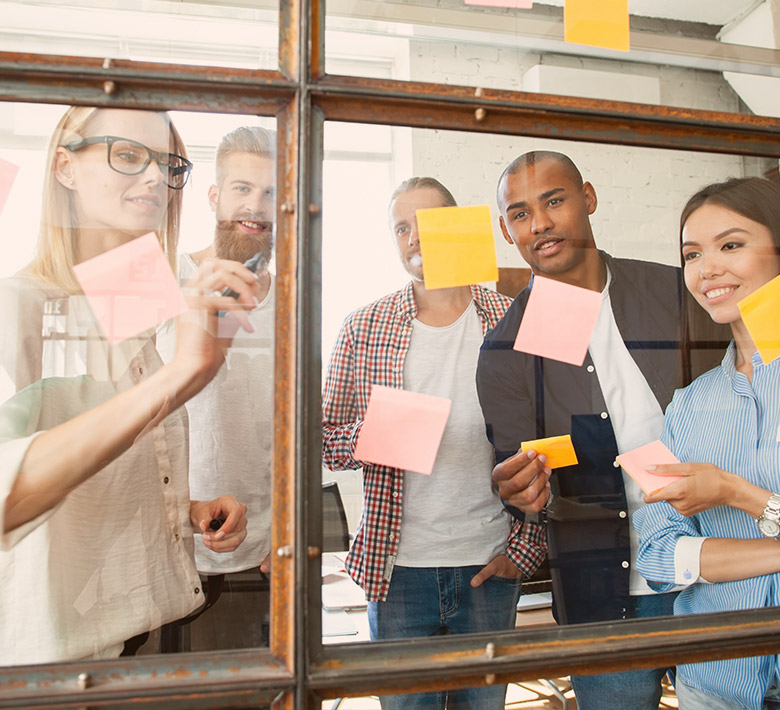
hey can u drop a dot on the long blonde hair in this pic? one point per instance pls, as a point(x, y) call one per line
point(57, 240)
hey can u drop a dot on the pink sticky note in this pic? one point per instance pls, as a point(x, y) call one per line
point(130, 288)
point(402, 429)
point(517, 4)
point(7, 176)
point(558, 321)
point(652, 454)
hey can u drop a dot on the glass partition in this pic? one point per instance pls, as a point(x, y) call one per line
point(717, 57)
point(220, 33)
point(74, 364)
point(431, 555)
point(529, 695)
point(124, 233)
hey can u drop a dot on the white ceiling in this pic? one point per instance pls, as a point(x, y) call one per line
point(714, 12)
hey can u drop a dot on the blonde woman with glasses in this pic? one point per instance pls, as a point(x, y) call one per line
point(97, 523)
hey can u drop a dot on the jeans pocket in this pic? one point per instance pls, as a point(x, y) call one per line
point(517, 581)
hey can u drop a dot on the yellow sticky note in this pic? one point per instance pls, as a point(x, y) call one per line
point(761, 315)
point(598, 23)
point(456, 246)
point(558, 449)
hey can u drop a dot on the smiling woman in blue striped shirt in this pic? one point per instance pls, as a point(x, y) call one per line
point(716, 530)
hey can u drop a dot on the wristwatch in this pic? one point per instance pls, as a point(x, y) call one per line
point(769, 522)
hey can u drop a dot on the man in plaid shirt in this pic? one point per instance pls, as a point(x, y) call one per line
point(435, 554)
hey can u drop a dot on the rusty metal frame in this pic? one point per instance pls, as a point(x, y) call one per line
point(478, 659)
point(297, 669)
point(424, 105)
point(244, 679)
point(45, 78)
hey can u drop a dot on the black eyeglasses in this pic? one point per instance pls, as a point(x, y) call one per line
point(131, 158)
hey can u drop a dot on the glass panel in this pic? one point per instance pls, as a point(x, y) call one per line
point(421, 541)
point(541, 694)
point(712, 56)
point(226, 33)
point(107, 537)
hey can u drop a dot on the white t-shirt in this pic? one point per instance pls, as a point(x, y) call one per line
point(231, 433)
point(453, 517)
point(636, 416)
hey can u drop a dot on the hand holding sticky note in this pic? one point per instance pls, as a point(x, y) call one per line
point(131, 288)
point(559, 450)
point(652, 454)
point(761, 315)
point(558, 321)
point(457, 246)
point(402, 429)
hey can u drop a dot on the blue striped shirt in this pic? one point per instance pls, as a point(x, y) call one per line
point(723, 419)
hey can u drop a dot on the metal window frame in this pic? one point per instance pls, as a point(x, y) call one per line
point(297, 671)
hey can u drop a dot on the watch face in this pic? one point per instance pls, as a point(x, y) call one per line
point(768, 528)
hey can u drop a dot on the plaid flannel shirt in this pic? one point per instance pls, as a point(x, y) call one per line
point(371, 349)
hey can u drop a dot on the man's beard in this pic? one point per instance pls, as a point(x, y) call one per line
point(231, 243)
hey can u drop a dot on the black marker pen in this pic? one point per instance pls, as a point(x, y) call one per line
point(255, 263)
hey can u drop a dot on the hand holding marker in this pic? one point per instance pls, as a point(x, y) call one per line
point(256, 263)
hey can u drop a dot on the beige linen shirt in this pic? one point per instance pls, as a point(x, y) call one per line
point(115, 558)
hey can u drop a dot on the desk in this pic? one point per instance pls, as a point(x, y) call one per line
point(344, 618)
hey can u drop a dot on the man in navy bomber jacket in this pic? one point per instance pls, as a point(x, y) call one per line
point(613, 403)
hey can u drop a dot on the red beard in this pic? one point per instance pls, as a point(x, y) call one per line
point(232, 242)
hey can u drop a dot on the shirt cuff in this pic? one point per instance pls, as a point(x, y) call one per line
point(687, 561)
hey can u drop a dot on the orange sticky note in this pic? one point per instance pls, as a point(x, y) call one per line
point(761, 315)
point(7, 176)
point(558, 321)
point(558, 449)
point(456, 245)
point(402, 429)
point(652, 454)
point(598, 23)
point(131, 288)
point(516, 4)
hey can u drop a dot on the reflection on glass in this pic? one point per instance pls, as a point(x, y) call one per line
point(229, 34)
point(712, 56)
point(101, 528)
point(717, 533)
point(593, 217)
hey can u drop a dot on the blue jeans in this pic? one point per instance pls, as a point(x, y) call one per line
point(627, 690)
point(435, 601)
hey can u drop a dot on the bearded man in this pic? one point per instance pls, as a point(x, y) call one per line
point(231, 420)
